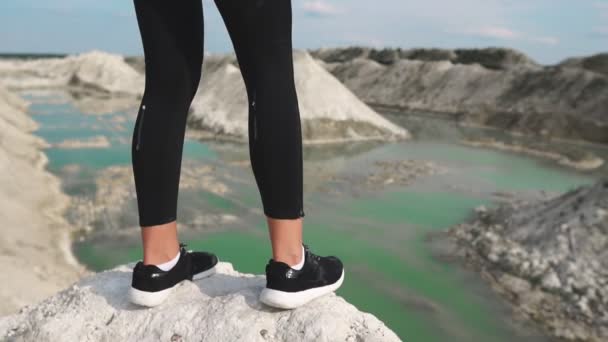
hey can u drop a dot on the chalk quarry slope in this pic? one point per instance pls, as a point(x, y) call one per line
point(549, 258)
point(329, 112)
point(496, 87)
point(222, 308)
point(35, 256)
point(94, 71)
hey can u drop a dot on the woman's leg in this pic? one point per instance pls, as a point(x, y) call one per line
point(172, 37)
point(261, 35)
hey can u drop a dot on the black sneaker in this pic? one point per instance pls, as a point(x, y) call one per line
point(287, 288)
point(151, 285)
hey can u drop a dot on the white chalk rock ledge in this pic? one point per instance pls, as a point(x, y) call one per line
point(223, 307)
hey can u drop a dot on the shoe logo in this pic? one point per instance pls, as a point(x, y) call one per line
point(155, 275)
point(291, 273)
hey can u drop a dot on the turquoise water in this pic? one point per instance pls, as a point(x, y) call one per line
point(62, 121)
point(381, 234)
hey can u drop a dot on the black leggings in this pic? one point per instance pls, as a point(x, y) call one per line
point(172, 37)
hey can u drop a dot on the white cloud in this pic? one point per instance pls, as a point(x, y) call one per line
point(319, 8)
point(457, 14)
point(494, 32)
point(545, 40)
point(504, 33)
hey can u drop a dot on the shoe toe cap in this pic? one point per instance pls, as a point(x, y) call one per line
point(202, 261)
point(333, 267)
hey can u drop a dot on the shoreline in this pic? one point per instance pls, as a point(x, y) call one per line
point(585, 163)
point(454, 118)
point(37, 245)
point(66, 234)
point(589, 162)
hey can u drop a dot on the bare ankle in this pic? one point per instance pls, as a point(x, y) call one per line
point(286, 240)
point(290, 257)
point(160, 243)
point(156, 257)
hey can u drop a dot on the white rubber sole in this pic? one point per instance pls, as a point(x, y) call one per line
point(292, 300)
point(151, 299)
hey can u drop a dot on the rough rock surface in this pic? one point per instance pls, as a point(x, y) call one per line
point(222, 308)
point(35, 236)
point(493, 87)
point(549, 259)
point(329, 111)
point(596, 63)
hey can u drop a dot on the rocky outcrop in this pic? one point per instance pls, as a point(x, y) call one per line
point(493, 87)
point(596, 63)
point(223, 307)
point(35, 256)
point(548, 258)
point(491, 58)
point(494, 58)
point(94, 71)
point(329, 112)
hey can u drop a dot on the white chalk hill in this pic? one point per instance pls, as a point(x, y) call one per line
point(328, 110)
point(222, 308)
point(94, 70)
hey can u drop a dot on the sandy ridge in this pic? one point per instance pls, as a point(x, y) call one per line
point(35, 252)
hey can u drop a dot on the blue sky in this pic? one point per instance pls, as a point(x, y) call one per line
point(546, 30)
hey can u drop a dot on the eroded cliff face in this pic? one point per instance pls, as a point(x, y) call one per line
point(549, 258)
point(496, 87)
point(35, 256)
point(223, 307)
